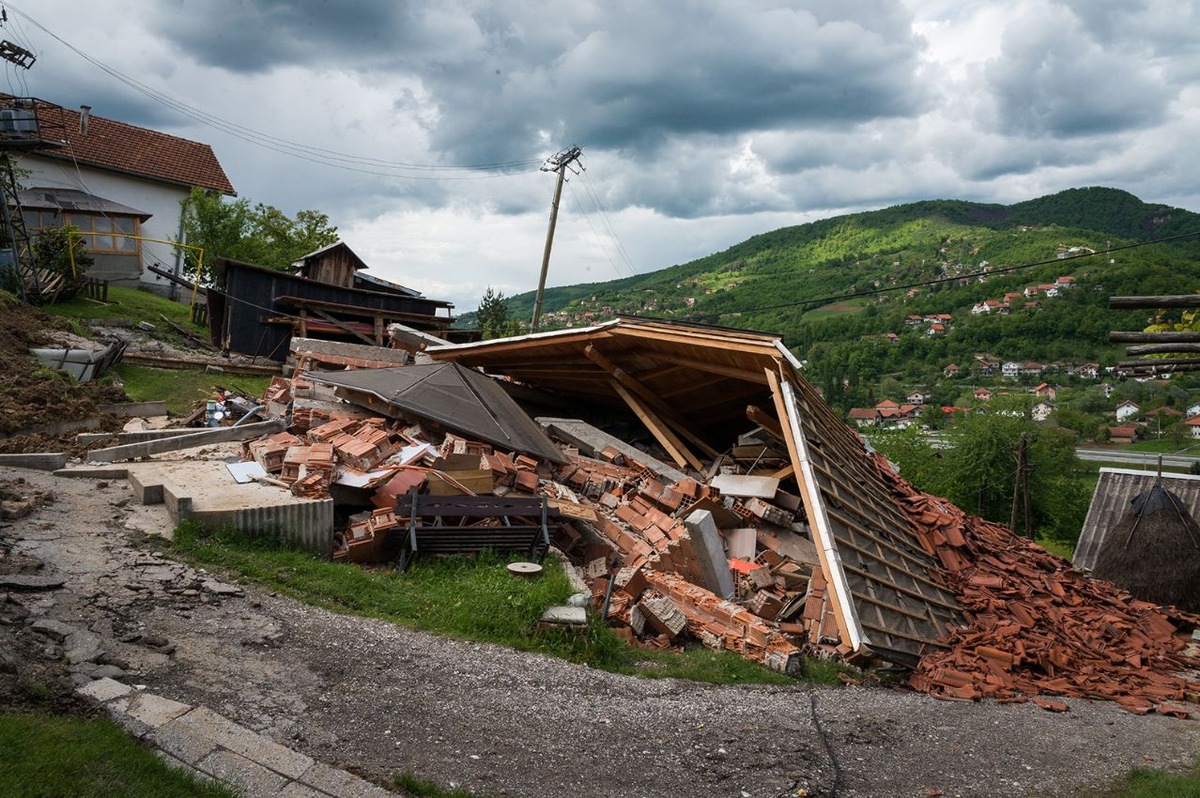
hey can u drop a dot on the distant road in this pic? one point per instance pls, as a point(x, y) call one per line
point(1118, 456)
point(1136, 458)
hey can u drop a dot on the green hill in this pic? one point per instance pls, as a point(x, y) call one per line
point(834, 287)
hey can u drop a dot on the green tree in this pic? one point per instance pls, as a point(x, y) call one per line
point(981, 464)
point(493, 318)
point(910, 451)
point(260, 234)
point(61, 251)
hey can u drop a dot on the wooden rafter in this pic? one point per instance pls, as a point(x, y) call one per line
point(343, 326)
point(663, 411)
point(661, 432)
point(1180, 337)
point(750, 375)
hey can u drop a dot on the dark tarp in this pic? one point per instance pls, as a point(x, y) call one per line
point(458, 397)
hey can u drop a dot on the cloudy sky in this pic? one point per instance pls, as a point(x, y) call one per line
point(419, 128)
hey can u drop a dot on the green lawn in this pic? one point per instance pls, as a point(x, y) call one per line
point(180, 389)
point(472, 598)
point(127, 303)
point(1143, 783)
point(49, 755)
point(837, 309)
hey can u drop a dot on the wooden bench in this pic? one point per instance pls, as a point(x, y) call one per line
point(460, 524)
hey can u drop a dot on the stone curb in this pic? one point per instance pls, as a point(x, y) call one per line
point(214, 747)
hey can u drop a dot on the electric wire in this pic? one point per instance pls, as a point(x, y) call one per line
point(599, 237)
point(624, 253)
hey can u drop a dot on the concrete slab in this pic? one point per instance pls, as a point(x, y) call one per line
point(710, 551)
point(103, 690)
point(93, 472)
point(190, 440)
point(249, 778)
point(182, 743)
point(155, 710)
point(298, 790)
point(590, 440)
point(205, 491)
point(240, 740)
point(40, 461)
point(342, 784)
point(570, 616)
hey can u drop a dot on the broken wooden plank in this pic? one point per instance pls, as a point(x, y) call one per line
point(591, 441)
point(666, 413)
point(669, 441)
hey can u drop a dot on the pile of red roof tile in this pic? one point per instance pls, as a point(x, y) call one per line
point(1036, 626)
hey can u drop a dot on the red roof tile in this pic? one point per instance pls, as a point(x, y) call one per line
point(134, 150)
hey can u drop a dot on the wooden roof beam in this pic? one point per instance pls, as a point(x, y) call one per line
point(749, 375)
point(810, 493)
point(765, 420)
point(675, 447)
point(667, 413)
point(1180, 337)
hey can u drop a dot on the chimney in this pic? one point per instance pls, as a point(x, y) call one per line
point(84, 112)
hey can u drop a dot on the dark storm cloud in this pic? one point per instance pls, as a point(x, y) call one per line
point(243, 36)
point(626, 76)
point(1059, 77)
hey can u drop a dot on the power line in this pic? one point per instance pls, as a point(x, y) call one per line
point(599, 238)
point(306, 152)
point(608, 224)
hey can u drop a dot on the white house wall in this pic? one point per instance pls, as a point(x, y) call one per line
point(156, 198)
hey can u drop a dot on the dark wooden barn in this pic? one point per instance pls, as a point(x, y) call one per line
point(255, 310)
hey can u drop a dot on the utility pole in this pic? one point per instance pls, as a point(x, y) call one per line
point(556, 163)
point(1021, 488)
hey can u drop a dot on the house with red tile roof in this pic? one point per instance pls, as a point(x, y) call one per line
point(864, 416)
point(1127, 433)
point(118, 183)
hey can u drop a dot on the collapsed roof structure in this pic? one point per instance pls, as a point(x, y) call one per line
point(777, 533)
point(695, 387)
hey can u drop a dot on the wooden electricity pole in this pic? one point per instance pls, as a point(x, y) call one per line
point(1021, 488)
point(557, 163)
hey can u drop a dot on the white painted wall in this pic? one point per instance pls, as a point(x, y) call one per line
point(156, 198)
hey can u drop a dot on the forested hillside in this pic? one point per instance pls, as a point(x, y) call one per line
point(842, 291)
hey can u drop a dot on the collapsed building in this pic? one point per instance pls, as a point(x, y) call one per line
point(750, 518)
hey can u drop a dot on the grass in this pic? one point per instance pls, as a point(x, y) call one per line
point(48, 755)
point(1062, 548)
point(181, 389)
point(1145, 783)
point(471, 598)
point(127, 303)
point(836, 309)
point(423, 788)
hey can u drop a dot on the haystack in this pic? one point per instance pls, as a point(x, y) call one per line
point(1154, 551)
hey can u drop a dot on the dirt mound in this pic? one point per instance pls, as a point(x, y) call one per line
point(31, 394)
